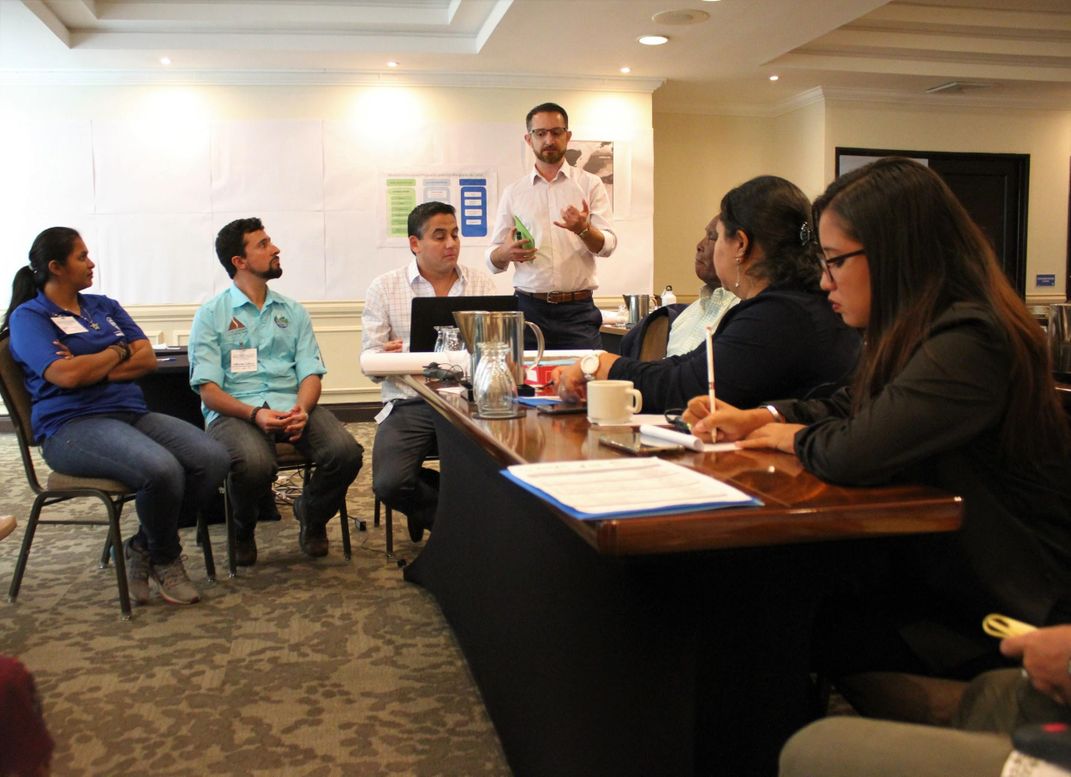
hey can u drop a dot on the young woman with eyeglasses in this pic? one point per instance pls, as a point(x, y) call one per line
point(954, 389)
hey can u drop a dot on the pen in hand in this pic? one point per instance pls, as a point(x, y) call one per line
point(710, 377)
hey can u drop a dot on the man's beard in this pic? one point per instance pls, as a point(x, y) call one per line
point(552, 156)
point(273, 271)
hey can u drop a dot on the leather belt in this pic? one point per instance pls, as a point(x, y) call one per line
point(556, 297)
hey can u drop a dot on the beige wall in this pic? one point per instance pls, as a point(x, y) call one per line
point(1044, 135)
point(698, 157)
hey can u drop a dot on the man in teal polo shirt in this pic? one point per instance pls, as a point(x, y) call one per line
point(255, 362)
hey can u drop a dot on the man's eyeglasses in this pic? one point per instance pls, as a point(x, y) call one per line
point(834, 263)
point(555, 132)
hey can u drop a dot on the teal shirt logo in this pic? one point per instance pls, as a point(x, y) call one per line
point(282, 322)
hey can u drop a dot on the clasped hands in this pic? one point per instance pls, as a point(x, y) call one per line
point(747, 428)
point(289, 424)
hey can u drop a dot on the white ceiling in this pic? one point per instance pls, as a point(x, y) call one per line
point(1018, 50)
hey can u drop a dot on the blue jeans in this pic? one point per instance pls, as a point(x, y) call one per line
point(325, 441)
point(164, 459)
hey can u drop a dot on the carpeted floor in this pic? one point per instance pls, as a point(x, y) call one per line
point(296, 667)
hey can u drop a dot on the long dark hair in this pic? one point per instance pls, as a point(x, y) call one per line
point(925, 253)
point(776, 216)
point(55, 243)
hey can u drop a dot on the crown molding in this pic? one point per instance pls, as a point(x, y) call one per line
point(918, 100)
point(14, 77)
point(982, 100)
point(746, 110)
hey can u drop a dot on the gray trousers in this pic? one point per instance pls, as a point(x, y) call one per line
point(994, 705)
point(337, 455)
point(403, 440)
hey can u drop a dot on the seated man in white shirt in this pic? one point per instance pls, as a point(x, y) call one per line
point(406, 433)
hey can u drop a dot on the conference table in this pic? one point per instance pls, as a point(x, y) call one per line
point(667, 645)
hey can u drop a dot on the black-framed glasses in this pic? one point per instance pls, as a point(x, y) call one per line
point(829, 265)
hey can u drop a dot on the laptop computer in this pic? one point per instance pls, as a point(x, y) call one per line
point(427, 313)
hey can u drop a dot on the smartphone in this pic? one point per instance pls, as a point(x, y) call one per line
point(562, 408)
point(635, 447)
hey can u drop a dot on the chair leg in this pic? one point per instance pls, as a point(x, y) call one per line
point(105, 555)
point(120, 562)
point(390, 531)
point(206, 546)
point(344, 518)
point(375, 514)
point(232, 566)
point(24, 553)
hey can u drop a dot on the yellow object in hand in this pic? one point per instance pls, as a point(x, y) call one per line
point(1001, 626)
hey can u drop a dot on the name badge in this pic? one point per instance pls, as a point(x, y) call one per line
point(69, 325)
point(244, 360)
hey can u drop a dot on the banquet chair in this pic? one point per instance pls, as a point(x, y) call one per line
point(287, 458)
point(380, 505)
point(58, 487)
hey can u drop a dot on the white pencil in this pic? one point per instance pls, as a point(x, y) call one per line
point(710, 376)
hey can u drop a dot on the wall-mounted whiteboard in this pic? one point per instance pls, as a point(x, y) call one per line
point(149, 196)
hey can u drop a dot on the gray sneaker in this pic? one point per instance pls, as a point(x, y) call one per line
point(137, 571)
point(174, 583)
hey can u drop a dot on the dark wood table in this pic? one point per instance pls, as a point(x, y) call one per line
point(673, 645)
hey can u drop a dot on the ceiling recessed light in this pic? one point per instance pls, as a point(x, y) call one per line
point(775, 78)
point(653, 40)
point(165, 60)
point(626, 69)
point(685, 16)
point(392, 63)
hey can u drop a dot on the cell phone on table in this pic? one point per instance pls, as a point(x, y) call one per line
point(562, 408)
point(636, 447)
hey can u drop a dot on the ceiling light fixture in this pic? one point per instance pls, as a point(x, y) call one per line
point(392, 63)
point(653, 40)
point(775, 78)
point(682, 17)
point(626, 70)
point(165, 60)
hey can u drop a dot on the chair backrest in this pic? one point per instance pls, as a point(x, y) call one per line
point(17, 401)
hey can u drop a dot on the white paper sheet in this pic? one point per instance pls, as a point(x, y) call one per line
point(608, 486)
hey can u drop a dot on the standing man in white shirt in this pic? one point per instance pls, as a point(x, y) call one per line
point(406, 432)
point(567, 212)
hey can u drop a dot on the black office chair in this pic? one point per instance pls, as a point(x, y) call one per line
point(287, 457)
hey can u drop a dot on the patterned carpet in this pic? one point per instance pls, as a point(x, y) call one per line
point(296, 667)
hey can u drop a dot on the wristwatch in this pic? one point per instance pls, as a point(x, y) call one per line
point(589, 365)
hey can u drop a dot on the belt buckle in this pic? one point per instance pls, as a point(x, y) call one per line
point(554, 297)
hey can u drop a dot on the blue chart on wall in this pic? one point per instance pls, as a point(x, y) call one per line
point(473, 208)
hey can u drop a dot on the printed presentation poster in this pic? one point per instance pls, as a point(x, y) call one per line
point(469, 192)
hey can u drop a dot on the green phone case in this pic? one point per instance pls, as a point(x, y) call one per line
point(521, 232)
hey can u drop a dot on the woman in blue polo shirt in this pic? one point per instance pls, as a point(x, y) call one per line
point(80, 354)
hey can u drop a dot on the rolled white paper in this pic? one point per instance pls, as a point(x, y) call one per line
point(378, 363)
point(689, 441)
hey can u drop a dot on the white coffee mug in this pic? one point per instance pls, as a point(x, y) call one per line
point(612, 401)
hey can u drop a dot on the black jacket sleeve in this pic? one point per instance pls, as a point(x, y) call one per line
point(949, 393)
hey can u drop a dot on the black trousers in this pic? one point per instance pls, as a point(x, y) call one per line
point(565, 325)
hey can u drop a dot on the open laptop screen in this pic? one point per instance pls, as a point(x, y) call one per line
point(427, 313)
